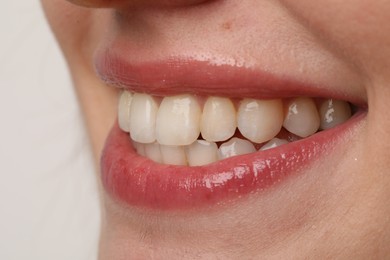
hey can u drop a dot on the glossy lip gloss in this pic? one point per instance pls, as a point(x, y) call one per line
point(140, 182)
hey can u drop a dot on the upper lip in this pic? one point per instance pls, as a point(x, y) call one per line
point(178, 75)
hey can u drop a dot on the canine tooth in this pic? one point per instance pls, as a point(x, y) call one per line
point(275, 142)
point(218, 122)
point(178, 120)
point(173, 154)
point(334, 112)
point(201, 153)
point(260, 120)
point(235, 146)
point(152, 151)
point(143, 118)
point(301, 117)
point(124, 110)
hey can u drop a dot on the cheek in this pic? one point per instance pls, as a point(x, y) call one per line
point(69, 23)
point(356, 29)
point(78, 30)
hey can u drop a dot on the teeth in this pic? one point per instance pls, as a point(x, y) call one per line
point(174, 155)
point(178, 120)
point(140, 148)
point(260, 120)
point(143, 113)
point(234, 147)
point(301, 117)
point(201, 153)
point(218, 121)
point(152, 151)
point(124, 110)
point(168, 133)
point(275, 142)
point(334, 112)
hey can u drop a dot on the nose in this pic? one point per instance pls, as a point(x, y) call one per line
point(119, 3)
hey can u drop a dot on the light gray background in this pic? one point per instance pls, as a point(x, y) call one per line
point(48, 193)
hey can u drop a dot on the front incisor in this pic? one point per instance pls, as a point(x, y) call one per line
point(124, 103)
point(218, 121)
point(153, 152)
point(143, 112)
point(201, 153)
point(173, 155)
point(178, 120)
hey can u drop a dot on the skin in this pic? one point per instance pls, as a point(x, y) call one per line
point(338, 211)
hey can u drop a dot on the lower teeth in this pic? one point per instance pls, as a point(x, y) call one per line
point(167, 132)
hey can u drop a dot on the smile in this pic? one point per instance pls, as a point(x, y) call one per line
point(177, 146)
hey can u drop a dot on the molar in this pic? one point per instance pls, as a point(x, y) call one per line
point(333, 112)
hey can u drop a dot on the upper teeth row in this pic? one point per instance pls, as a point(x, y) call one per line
point(179, 120)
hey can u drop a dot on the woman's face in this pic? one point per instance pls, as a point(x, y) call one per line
point(213, 67)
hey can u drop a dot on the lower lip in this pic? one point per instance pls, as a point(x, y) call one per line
point(140, 182)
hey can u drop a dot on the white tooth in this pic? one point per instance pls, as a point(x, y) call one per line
point(178, 120)
point(201, 153)
point(334, 112)
point(301, 117)
point(275, 142)
point(143, 114)
point(218, 121)
point(260, 120)
point(124, 110)
point(140, 148)
point(235, 146)
point(174, 155)
point(152, 151)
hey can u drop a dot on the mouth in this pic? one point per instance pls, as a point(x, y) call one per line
point(192, 133)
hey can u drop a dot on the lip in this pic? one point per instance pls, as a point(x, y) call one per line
point(140, 182)
point(186, 75)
